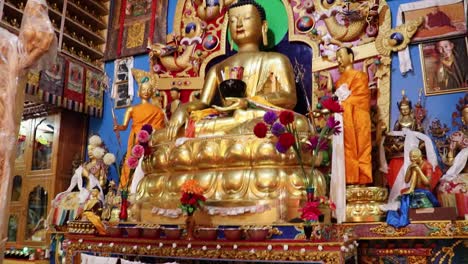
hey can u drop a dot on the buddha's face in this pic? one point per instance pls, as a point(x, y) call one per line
point(405, 110)
point(95, 193)
point(245, 24)
point(175, 95)
point(90, 151)
point(343, 58)
point(145, 90)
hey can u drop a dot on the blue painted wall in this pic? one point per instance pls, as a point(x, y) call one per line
point(440, 106)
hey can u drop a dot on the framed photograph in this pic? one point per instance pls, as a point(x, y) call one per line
point(440, 21)
point(123, 98)
point(444, 65)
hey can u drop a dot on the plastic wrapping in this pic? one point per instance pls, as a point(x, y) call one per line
point(17, 54)
point(37, 36)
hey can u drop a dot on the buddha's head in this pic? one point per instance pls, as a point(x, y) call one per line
point(415, 155)
point(247, 23)
point(345, 58)
point(95, 192)
point(145, 91)
point(175, 93)
point(405, 106)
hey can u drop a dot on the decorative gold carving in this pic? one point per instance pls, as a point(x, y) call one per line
point(374, 194)
point(135, 35)
point(248, 252)
point(440, 229)
point(389, 231)
point(460, 228)
point(446, 252)
point(398, 38)
point(365, 211)
point(417, 259)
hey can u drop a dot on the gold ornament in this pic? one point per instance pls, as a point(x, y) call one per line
point(398, 38)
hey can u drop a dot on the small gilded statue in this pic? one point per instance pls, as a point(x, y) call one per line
point(92, 211)
point(419, 177)
point(406, 119)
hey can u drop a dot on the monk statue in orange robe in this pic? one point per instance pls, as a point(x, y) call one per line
point(140, 114)
point(354, 95)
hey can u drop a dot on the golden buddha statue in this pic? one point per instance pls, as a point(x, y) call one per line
point(242, 176)
point(269, 79)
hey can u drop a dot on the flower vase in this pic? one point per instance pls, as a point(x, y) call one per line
point(190, 226)
point(123, 216)
point(319, 183)
point(308, 231)
point(310, 191)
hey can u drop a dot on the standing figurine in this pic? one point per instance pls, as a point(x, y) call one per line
point(140, 114)
point(354, 94)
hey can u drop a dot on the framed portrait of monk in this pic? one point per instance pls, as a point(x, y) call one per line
point(444, 65)
point(442, 19)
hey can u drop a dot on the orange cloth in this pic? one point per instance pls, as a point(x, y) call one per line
point(141, 114)
point(96, 221)
point(357, 127)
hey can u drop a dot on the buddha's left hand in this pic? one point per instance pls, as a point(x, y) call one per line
point(233, 103)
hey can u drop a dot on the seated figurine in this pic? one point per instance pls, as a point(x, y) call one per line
point(92, 211)
point(419, 193)
point(419, 176)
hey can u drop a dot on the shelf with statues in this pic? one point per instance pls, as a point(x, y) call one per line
point(85, 32)
point(74, 10)
point(92, 6)
point(83, 57)
point(6, 24)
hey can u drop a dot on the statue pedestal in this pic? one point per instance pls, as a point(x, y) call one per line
point(363, 203)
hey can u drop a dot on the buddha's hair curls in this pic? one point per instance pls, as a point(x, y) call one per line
point(259, 8)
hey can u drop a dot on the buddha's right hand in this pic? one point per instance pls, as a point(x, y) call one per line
point(172, 129)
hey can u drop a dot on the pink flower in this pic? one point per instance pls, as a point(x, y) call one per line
point(143, 136)
point(138, 151)
point(132, 162)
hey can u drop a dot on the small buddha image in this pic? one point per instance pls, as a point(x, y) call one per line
point(92, 211)
point(175, 101)
point(406, 119)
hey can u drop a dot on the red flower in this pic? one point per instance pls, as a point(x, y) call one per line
point(332, 105)
point(310, 211)
point(286, 117)
point(260, 130)
point(192, 201)
point(286, 140)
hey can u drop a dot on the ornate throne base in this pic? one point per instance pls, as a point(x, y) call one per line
point(246, 181)
point(363, 203)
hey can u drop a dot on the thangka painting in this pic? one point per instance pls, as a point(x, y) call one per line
point(74, 84)
point(52, 81)
point(94, 93)
point(134, 23)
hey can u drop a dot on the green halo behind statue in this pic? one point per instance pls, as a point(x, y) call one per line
point(277, 18)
